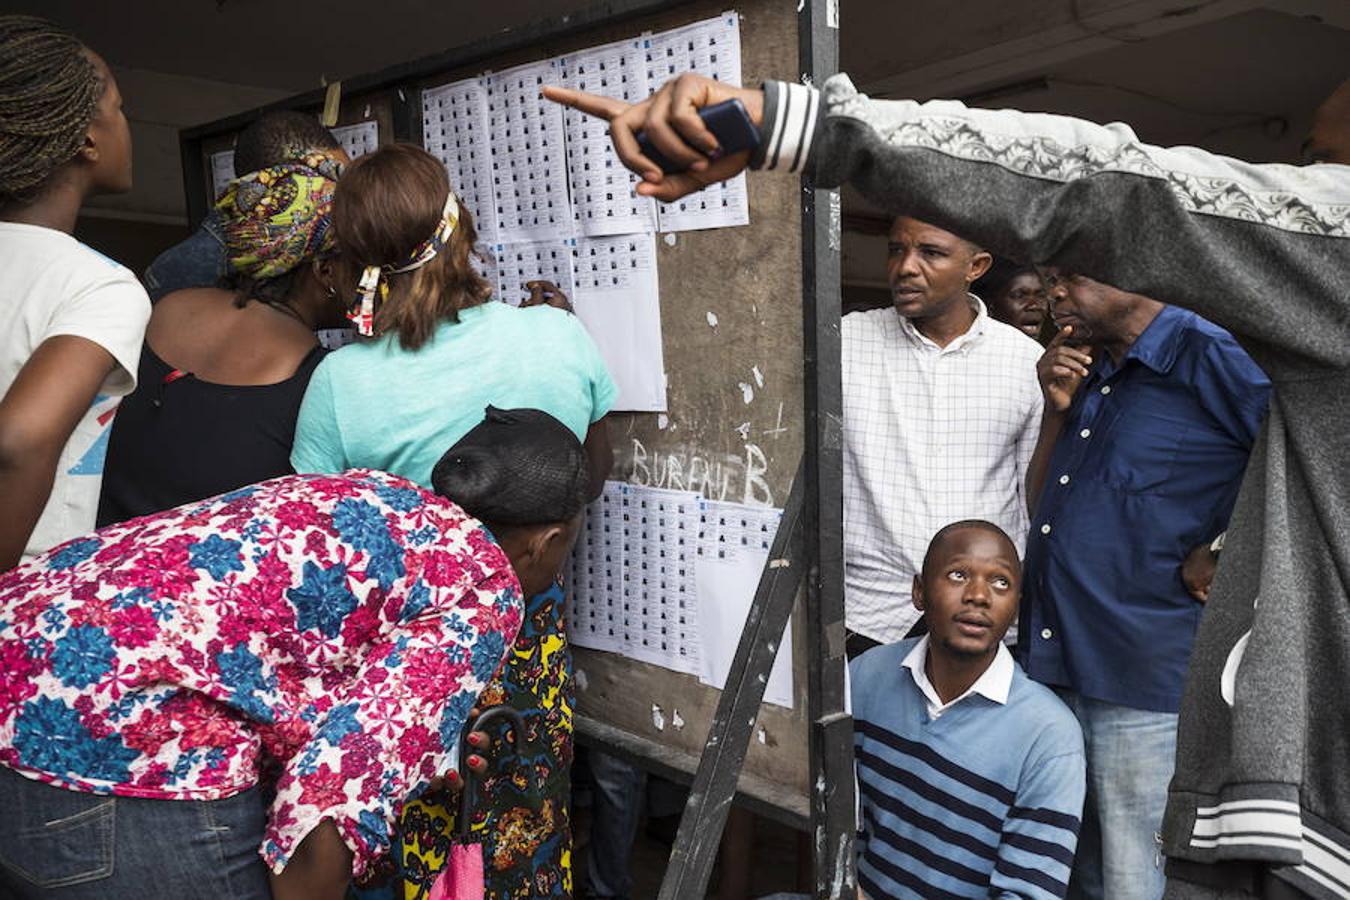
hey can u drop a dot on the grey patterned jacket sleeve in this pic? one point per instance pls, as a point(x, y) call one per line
point(1261, 786)
point(1264, 250)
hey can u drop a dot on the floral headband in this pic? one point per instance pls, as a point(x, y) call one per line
point(373, 280)
point(278, 217)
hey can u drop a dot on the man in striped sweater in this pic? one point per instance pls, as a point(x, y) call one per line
point(970, 775)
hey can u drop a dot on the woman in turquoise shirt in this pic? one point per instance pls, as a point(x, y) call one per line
point(440, 353)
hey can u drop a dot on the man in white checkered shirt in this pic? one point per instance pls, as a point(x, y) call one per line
point(941, 414)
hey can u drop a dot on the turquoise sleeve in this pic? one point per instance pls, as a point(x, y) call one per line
point(318, 444)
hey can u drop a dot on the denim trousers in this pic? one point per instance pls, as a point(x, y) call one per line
point(1130, 757)
point(616, 807)
point(76, 846)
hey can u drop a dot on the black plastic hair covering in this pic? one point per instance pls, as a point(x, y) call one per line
point(516, 467)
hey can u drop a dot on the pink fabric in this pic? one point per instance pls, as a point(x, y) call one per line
point(463, 875)
point(342, 625)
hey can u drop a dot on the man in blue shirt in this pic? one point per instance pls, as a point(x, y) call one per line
point(1150, 415)
point(276, 137)
point(970, 775)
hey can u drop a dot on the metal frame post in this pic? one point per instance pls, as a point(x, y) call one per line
point(833, 812)
point(719, 768)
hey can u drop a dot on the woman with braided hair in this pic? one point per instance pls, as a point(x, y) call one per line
point(73, 319)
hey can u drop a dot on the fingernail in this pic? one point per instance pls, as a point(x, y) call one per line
point(475, 760)
point(474, 740)
point(453, 777)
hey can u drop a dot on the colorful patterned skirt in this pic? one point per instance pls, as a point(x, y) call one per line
point(521, 813)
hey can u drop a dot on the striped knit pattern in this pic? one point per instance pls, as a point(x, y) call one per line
point(789, 124)
point(982, 802)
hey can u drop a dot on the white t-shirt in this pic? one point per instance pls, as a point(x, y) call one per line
point(51, 284)
point(932, 435)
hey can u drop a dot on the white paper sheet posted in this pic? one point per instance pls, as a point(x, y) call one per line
point(713, 48)
point(358, 139)
point(529, 166)
point(631, 579)
point(618, 299)
point(603, 198)
point(733, 546)
point(667, 578)
point(454, 130)
point(222, 172)
point(520, 263)
point(484, 261)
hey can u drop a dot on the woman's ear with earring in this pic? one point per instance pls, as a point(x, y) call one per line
point(323, 271)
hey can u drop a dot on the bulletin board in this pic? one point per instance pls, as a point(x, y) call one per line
point(364, 123)
point(709, 448)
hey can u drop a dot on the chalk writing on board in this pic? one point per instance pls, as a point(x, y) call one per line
point(724, 477)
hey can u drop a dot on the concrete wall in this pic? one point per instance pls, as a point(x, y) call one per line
point(134, 227)
point(157, 106)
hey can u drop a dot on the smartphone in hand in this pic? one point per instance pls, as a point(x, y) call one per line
point(729, 123)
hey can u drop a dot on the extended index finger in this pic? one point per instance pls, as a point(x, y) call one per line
point(591, 104)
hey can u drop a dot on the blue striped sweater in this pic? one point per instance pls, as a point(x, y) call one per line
point(982, 802)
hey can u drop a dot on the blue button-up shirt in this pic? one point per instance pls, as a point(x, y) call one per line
point(198, 261)
point(1146, 468)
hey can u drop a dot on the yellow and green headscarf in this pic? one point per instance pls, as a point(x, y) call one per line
point(278, 217)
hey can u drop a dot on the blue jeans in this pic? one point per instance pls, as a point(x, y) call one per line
point(615, 809)
point(59, 843)
point(198, 261)
point(1130, 757)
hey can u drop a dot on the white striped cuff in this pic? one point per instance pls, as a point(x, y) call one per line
point(792, 117)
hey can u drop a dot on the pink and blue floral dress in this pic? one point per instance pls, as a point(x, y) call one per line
point(336, 627)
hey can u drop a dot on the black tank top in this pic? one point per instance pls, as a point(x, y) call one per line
point(177, 439)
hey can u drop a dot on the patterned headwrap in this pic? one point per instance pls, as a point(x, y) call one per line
point(278, 217)
point(373, 280)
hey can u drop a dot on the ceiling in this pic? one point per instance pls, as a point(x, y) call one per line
point(1239, 77)
point(292, 45)
point(1218, 71)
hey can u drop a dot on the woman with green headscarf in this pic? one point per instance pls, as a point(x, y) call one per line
point(222, 371)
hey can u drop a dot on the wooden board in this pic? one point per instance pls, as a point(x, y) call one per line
point(376, 106)
point(713, 441)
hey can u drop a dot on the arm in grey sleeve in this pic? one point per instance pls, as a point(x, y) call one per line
point(1263, 250)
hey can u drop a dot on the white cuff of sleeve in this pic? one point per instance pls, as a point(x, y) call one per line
point(789, 135)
